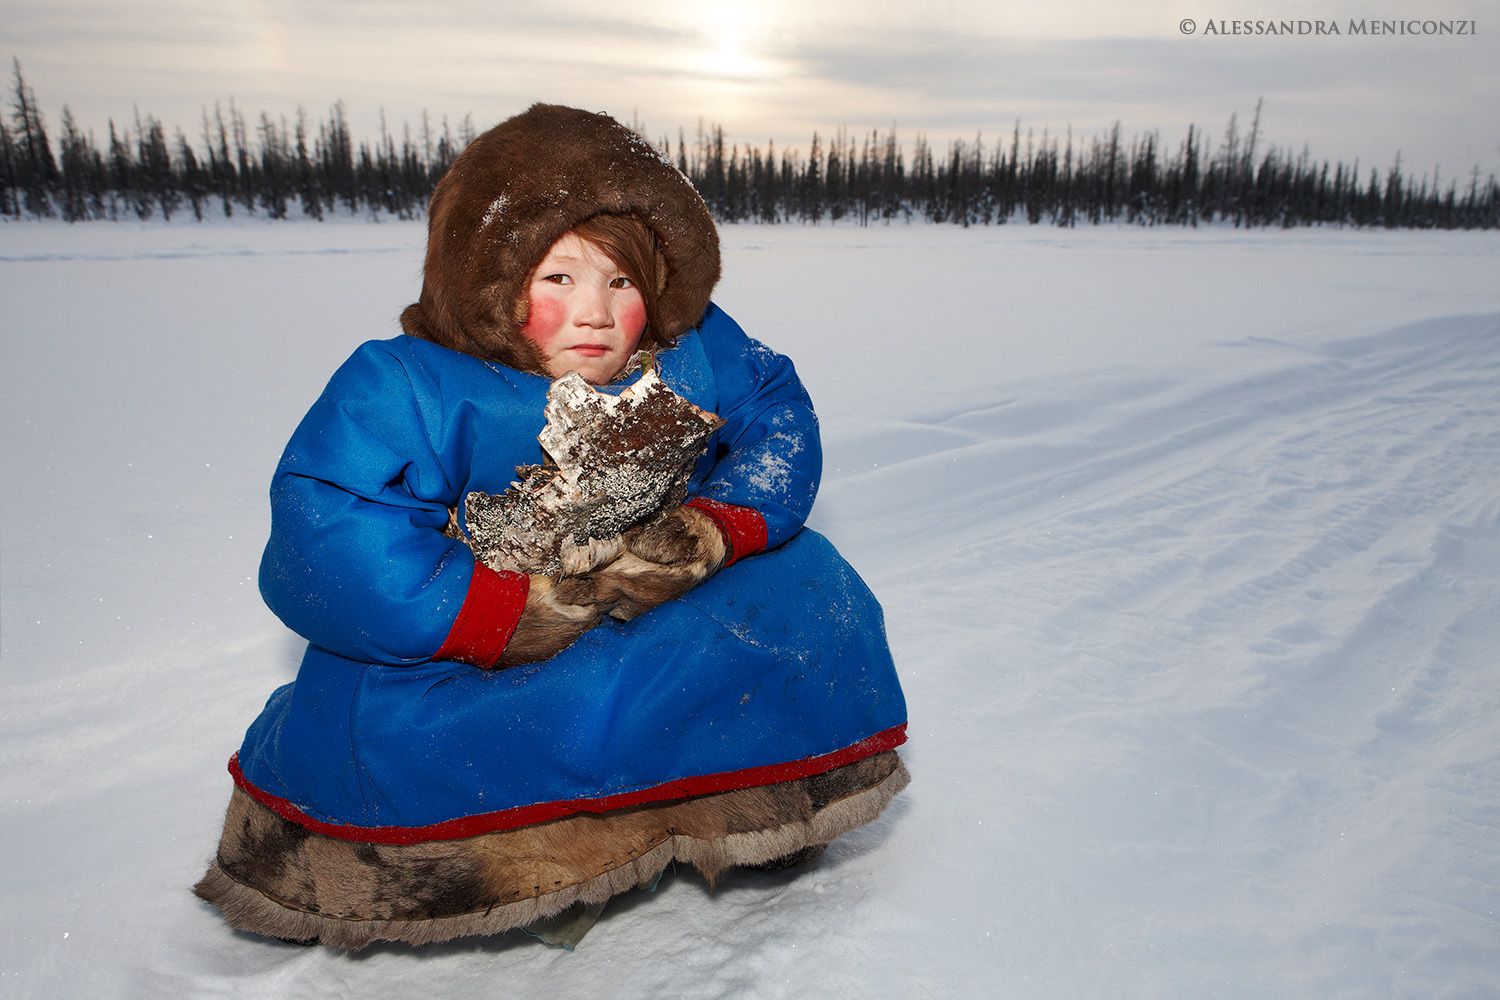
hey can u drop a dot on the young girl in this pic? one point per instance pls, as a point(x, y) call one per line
point(723, 697)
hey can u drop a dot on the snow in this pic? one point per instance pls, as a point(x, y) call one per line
point(1189, 543)
point(494, 210)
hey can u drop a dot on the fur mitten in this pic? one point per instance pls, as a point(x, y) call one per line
point(662, 559)
point(557, 612)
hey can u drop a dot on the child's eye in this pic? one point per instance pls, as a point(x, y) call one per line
point(559, 279)
point(622, 282)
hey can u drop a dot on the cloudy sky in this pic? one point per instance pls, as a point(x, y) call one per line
point(778, 69)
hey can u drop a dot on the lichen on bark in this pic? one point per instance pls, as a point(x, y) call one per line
point(613, 461)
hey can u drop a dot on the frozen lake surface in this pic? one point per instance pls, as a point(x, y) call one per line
point(1189, 543)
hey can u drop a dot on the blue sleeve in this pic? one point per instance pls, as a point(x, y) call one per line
point(357, 561)
point(768, 453)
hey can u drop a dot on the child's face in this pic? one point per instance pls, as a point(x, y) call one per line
point(586, 315)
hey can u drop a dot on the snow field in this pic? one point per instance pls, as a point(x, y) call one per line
point(1189, 544)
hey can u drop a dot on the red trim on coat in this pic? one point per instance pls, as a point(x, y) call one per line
point(491, 610)
point(509, 819)
point(743, 527)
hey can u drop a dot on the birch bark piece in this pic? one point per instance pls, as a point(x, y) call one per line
point(613, 461)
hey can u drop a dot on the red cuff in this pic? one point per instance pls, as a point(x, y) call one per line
point(488, 618)
point(743, 527)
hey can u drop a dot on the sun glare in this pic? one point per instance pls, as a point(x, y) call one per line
point(728, 29)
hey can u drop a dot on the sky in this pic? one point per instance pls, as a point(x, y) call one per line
point(777, 70)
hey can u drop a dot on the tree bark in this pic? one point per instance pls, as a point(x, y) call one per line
point(612, 462)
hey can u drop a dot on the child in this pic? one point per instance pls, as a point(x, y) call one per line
point(724, 696)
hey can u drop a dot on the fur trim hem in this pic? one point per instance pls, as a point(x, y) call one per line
point(510, 819)
point(258, 910)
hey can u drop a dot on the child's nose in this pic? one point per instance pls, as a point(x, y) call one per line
point(593, 307)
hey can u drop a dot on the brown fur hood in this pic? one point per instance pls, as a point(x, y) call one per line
point(520, 186)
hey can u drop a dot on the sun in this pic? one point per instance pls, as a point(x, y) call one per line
point(729, 30)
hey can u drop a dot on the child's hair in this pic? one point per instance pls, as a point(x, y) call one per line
point(629, 242)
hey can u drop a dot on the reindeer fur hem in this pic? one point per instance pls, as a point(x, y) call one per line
point(278, 879)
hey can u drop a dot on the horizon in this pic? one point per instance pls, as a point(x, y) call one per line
point(1212, 139)
point(778, 75)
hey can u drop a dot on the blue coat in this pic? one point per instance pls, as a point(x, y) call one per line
point(774, 668)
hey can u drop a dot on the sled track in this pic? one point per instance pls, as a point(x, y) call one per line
point(1281, 590)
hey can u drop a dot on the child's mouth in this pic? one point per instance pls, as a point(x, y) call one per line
point(591, 350)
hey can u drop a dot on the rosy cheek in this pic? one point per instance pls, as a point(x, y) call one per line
point(632, 317)
point(545, 317)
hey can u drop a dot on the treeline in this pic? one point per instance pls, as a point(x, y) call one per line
point(277, 169)
point(273, 168)
point(1065, 182)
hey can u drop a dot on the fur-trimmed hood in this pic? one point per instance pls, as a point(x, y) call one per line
point(520, 186)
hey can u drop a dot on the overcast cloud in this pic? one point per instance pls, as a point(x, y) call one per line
point(782, 70)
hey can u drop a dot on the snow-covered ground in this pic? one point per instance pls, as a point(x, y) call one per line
point(1189, 544)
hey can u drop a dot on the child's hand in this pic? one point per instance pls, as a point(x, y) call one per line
point(557, 612)
point(662, 559)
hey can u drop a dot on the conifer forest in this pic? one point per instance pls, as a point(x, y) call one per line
point(271, 167)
